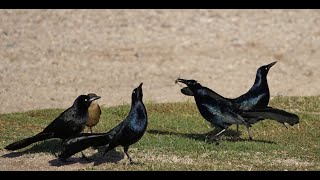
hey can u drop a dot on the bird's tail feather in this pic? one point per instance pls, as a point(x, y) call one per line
point(274, 114)
point(26, 142)
point(82, 142)
point(252, 119)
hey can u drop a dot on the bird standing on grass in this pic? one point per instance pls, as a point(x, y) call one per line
point(68, 124)
point(128, 132)
point(222, 113)
point(257, 97)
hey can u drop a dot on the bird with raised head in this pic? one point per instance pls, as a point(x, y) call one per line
point(222, 113)
point(128, 132)
point(257, 97)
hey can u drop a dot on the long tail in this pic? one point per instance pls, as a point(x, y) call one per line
point(82, 142)
point(272, 113)
point(26, 142)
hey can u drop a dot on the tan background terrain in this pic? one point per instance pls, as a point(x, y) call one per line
point(49, 57)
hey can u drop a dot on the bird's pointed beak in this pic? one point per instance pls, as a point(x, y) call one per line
point(139, 88)
point(181, 80)
point(94, 98)
point(271, 64)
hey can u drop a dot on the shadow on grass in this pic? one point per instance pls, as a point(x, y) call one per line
point(97, 158)
point(231, 135)
point(54, 147)
point(51, 146)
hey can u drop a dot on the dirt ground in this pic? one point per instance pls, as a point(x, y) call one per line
point(49, 57)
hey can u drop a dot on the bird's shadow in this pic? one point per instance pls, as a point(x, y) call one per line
point(54, 147)
point(97, 158)
point(51, 146)
point(229, 135)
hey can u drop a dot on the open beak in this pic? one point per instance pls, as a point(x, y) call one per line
point(181, 80)
point(271, 64)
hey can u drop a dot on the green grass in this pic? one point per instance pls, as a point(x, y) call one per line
point(176, 139)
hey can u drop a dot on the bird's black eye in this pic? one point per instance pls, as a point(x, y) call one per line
point(266, 68)
point(86, 99)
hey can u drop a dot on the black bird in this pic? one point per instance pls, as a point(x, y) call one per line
point(68, 124)
point(222, 112)
point(128, 132)
point(257, 97)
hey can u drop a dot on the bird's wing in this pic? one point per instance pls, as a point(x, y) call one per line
point(225, 114)
point(217, 96)
point(186, 91)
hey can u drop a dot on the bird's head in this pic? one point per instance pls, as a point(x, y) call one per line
point(137, 93)
point(190, 82)
point(263, 70)
point(84, 101)
point(93, 97)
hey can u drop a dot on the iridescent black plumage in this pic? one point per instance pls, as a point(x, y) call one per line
point(222, 112)
point(128, 132)
point(257, 97)
point(68, 124)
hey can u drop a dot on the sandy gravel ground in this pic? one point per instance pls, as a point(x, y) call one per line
point(49, 57)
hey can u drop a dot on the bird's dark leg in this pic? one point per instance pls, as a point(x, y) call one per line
point(218, 134)
point(125, 149)
point(237, 128)
point(285, 125)
point(55, 155)
point(91, 129)
point(249, 133)
point(84, 157)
